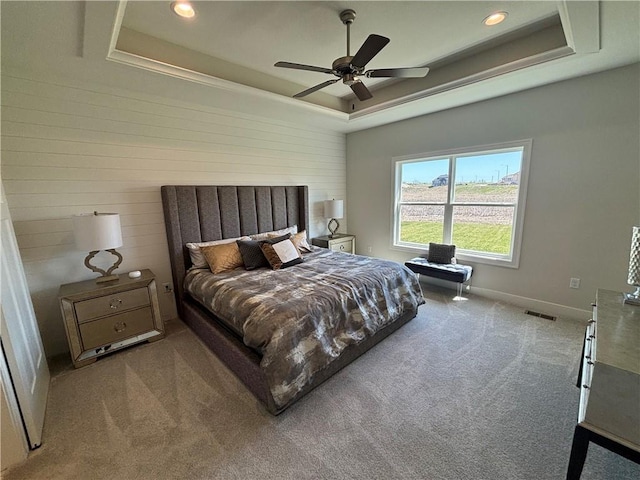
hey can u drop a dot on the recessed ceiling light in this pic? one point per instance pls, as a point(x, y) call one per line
point(495, 18)
point(183, 9)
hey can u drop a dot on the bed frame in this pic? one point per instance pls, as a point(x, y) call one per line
point(205, 213)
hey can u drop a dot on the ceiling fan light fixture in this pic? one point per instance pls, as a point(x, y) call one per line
point(183, 9)
point(350, 79)
point(495, 18)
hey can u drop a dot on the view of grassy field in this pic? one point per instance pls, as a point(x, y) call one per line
point(482, 238)
point(480, 228)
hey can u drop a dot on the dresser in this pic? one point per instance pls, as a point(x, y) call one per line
point(102, 318)
point(609, 381)
point(340, 242)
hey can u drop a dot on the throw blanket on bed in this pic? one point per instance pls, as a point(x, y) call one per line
point(301, 318)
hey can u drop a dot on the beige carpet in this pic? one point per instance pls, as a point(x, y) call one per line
point(466, 390)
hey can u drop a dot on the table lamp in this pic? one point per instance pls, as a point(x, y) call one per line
point(634, 268)
point(99, 231)
point(333, 209)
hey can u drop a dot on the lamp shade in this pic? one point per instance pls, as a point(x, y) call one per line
point(333, 208)
point(97, 231)
point(634, 258)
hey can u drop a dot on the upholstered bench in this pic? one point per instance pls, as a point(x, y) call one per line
point(452, 272)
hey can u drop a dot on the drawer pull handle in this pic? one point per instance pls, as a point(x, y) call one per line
point(585, 386)
point(588, 357)
point(120, 327)
point(114, 303)
point(589, 362)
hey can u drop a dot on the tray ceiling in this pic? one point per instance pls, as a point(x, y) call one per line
point(241, 41)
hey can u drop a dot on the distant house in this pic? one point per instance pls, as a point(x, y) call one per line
point(440, 181)
point(511, 179)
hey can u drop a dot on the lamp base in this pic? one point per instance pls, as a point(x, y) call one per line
point(333, 226)
point(631, 299)
point(106, 276)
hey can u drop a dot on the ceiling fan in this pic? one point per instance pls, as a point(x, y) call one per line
point(351, 68)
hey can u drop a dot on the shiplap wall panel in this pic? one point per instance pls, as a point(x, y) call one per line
point(195, 133)
point(38, 159)
point(70, 147)
point(103, 148)
point(144, 137)
point(113, 100)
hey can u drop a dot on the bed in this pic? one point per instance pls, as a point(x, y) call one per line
point(278, 330)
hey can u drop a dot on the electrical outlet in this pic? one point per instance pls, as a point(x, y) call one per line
point(369, 249)
point(574, 283)
point(168, 288)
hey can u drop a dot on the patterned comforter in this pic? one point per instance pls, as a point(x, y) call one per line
point(301, 318)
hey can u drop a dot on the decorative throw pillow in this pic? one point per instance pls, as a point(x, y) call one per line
point(252, 255)
point(222, 258)
point(441, 253)
point(197, 259)
point(281, 254)
point(275, 233)
point(300, 241)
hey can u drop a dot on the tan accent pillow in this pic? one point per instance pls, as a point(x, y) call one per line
point(222, 258)
point(197, 259)
point(301, 242)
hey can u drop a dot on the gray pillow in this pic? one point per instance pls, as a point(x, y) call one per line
point(252, 255)
point(441, 253)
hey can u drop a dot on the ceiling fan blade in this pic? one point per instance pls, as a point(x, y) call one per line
point(369, 49)
point(299, 66)
point(361, 91)
point(417, 72)
point(313, 89)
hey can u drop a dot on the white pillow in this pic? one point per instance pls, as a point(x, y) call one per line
point(286, 251)
point(275, 233)
point(197, 258)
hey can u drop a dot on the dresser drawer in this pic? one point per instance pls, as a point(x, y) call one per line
point(109, 304)
point(345, 246)
point(116, 327)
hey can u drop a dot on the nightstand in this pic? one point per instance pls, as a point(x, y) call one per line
point(102, 318)
point(340, 242)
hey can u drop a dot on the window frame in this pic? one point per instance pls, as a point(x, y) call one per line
point(512, 261)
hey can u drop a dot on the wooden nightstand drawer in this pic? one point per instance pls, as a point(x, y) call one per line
point(110, 304)
point(342, 246)
point(116, 327)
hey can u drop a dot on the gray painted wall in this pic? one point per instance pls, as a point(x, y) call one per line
point(583, 195)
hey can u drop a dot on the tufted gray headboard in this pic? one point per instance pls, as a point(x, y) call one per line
point(202, 213)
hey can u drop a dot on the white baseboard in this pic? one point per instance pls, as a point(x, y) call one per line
point(526, 303)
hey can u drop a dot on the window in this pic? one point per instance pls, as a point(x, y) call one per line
point(473, 198)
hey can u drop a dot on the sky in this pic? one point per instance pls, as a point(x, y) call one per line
point(476, 168)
